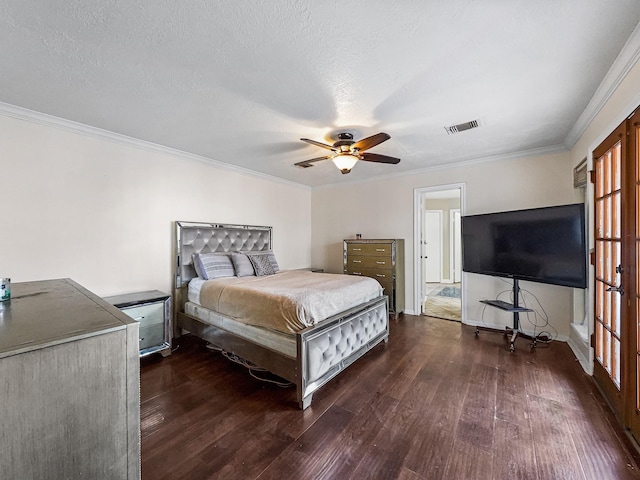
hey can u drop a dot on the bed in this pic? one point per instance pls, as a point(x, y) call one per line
point(327, 335)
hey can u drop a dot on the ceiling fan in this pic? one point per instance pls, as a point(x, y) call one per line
point(346, 152)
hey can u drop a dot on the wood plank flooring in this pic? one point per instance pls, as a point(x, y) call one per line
point(434, 403)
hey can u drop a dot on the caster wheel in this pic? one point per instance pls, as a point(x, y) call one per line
point(512, 348)
point(477, 332)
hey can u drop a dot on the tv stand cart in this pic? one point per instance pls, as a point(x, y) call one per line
point(510, 307)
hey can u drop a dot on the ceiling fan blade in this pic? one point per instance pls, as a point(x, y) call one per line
point(372, 141)
point(308, 163)
point(318, 144)
point(375, 157)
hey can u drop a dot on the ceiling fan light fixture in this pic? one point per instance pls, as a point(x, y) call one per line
point(345, 161)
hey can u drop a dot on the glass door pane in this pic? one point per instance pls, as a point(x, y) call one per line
point(609, 231)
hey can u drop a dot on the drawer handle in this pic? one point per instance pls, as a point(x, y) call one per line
point(380, 275)
point(137, 319)
point(381, 263)
point(381, 249)
point(142, 339)
point(356, 261)
point(357, 273)
point(357, 249)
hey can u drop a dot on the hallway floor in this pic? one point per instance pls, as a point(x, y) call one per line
point(443, 301)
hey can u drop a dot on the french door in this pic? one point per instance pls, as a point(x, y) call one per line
point(617, 278)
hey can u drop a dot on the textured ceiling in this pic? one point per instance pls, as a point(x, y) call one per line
point(241, 81)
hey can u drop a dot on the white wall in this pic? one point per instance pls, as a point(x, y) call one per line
point(102, 213)
point(384, 209)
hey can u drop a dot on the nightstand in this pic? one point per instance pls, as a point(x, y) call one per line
point(152, 310)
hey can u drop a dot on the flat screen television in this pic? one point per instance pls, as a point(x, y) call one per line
point(545, 245)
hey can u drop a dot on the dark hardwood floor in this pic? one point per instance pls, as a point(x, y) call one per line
point(434, 403)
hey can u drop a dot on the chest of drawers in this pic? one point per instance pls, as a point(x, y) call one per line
point(382, 260)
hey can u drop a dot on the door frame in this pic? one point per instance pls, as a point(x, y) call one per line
point(418, 219)
point(453, 251)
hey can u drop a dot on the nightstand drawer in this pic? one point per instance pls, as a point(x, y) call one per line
point(151, 335)
point(147, 315)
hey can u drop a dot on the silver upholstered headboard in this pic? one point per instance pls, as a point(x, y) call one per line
point(193, 237)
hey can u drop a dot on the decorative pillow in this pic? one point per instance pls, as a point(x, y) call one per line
point(272, 259)
point(242, 265)
point(214, 265)
point(261, 265)
point(196, 265)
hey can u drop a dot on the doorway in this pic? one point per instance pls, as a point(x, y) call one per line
point(437, 243)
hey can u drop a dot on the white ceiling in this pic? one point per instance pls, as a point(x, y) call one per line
point(241, 82)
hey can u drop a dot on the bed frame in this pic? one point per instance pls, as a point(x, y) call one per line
point(323, 350)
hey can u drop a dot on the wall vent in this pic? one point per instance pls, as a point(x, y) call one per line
point(461, 127)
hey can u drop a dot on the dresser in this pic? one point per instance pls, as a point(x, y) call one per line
point(152, 311)
point(382, 260)
point(69, 385)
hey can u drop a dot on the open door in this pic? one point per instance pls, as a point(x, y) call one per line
point(432, 246)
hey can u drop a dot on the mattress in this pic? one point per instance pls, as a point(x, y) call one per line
point(286, 302)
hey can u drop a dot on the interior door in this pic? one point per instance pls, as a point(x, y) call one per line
point(433, 246)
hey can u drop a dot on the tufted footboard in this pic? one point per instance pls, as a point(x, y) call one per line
point(327, 349)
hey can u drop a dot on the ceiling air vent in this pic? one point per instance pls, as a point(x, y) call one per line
point(461, 127)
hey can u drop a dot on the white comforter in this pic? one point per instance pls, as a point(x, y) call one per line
point(288, 301)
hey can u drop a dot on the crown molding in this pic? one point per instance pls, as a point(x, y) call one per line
point(624, 62)
point(45, 119)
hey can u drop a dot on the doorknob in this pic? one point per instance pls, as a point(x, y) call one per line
point(619, 289)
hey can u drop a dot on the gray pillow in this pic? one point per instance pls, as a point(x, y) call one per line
point(242, 265)
point(261, 265)
point(214, 265)
point(272, 259)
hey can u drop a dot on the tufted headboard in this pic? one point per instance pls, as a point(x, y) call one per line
point(193, 237)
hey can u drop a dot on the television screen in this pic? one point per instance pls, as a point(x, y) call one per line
point(546, 245)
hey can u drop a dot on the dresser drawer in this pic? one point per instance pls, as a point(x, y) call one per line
point(385, 279)
point(387, 287)
point(355, 261)
point(147, 315)
point(369, 249)
point(380, 275)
